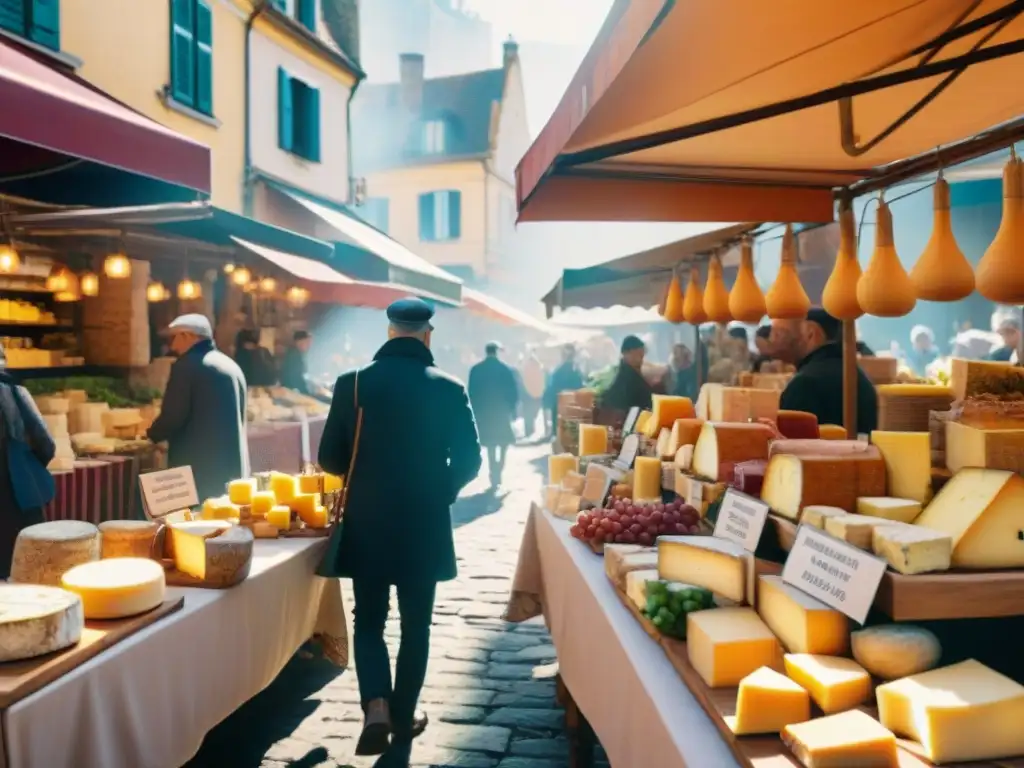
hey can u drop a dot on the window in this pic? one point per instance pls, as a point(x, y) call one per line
point(441, 216)
point(298, 117)
point(433, 137)
point(375, 211)
point(35, 20)
point(303, 11)
point(192, 54)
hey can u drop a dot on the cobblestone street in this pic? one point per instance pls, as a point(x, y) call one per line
point(490, 689)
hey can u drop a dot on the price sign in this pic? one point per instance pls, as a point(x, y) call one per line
point(169, 490)
point(630, 422)
point(741, 519)
point(695, 494)
point(838, 574)
point(630, 448)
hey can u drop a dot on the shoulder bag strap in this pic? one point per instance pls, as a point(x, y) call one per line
point(339, 506)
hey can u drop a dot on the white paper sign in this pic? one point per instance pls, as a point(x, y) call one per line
point(167, 491)
point(630, 448)
point(838, 574)
point(741, 519)
point(695, 494)
point(630, 422)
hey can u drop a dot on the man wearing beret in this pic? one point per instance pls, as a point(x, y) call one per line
point(417, 447)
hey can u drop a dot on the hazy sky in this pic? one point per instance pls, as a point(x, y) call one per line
point(569, 22)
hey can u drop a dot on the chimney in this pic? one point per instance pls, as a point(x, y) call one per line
point(410, 67)
point(511, 49)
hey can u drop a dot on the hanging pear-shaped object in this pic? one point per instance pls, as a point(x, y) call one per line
point(942, 272)
point(673, 311)
point(693, 300)
point(787, 299)
point(839, 298)
point(884, 288)
point(716, 295)
point(746, 300)
point(1000, 273)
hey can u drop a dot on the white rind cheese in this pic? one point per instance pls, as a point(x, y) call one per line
point(35, 620)
point(892, 651)
point(45, 552)
point(118, 587)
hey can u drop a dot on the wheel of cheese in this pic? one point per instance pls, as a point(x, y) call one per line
point(127, 538)
point(35, 620)
point(44, 552)
point(117, 588)
point(217, 558)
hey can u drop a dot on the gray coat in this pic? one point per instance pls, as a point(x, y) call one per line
point(203, 419)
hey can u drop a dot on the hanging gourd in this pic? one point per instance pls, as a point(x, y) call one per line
point(1000, 277)
point(884, 288)
point(693, 300)
point(942, 273)
point(787, 299)
point(673, 311)
point(839, 298)
point(746, 300)
point(716, 295)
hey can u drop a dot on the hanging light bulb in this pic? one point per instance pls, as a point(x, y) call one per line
point(89, 282)
point(241, 276)
point(673, 311)
point(787, 299)
point(839, 298)
point(9, 260)
point(117, 266)
point(268, 285)
point(693, 300)
point(884, 288)
point(59, 280)
point(189, 289)
point(229, 268)
point(156, 292)
point(297, 297)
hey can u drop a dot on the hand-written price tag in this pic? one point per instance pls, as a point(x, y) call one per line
point(834, 572)
point(167, 491)
point(741, 519)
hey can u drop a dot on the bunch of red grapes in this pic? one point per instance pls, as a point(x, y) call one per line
point(626, 523)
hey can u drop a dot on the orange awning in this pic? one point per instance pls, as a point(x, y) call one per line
point(483, 305)
point(742, 109)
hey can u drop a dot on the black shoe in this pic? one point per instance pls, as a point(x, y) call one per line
point(399, 755)
point(376, 734)
point(419, 725)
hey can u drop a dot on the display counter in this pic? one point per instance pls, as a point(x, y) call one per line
point(284, 445)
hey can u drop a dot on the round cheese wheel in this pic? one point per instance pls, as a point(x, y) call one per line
point(44, 552)
point(892, 651)
point(127, 538)
point(116, 588)
point(35, 620)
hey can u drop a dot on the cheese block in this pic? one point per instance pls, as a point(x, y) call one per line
point(835, 684)
point(908, 463)
point(647, 479)
point(127, 538)
point(568, 505)
point(684, 432)
point(684, 458)
point(623, 563)
point(241, 491)
point(846, 740)
point(855, 529)
point(52, 404)
point(262, 502)
point(559, 465)
point(793, 482)
point(912, 549)
point(725, 645)
point(550, 495)
point(118, 418)
point(665, 409)
point(56, 424)
point(716, 564)
point(889, 508)
point(823, 448)
point(333, 483)
point(832, 432)
point(718, 402)
point(320, 518)
point(303, 505)
point(283, 486)
point(641, 422)
point(35, 620)
point(218, 560)
point(88, 417)
point(906, 407)
point(311, 483)
point(767, 702)
point(963, 712)
point(815, 516)
point(974, 446)
point(720, 444)
point(44, 552)
point(280, 517)
point(968, 378)
point(636, 586)
point(663, 444)
point(892, 651)
point(593, 440)
point(797, 425)
point(117, 588)
point(220, 508)
point(573, 482)
point(76, 396)
point(202, 528)
point(802, 624)
point(982, 510)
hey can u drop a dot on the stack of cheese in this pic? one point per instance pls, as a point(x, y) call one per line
point(124, 423)
point(717, 402)
point(564, 491)
point(54, 411)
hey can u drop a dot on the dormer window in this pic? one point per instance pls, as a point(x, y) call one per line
point(434, 137)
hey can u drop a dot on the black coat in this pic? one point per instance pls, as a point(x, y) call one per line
point(494, 395)
point(417, 450)
point(817, 387)
point(565, 378)
point(257, 366)
point(293, 371)
point(628, 389)
point(203, 419)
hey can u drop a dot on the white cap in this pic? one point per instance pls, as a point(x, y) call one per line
point(195, 323)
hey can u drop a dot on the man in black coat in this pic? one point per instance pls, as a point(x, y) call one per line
point(494, 395)
point(565, 378)
point(417, 448)
point(203, 417)
point(629, 388)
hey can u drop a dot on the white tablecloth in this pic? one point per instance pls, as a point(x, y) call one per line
point(149, 701)
point(620, 678)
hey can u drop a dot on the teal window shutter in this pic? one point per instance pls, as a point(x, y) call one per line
point(182, 51)
point(454, 215)
point(12, 16)
point(280, 5)
point(306, 14)
point(45, 23)
point(427, 216)
point(285, 111)
point(312, 119)
point(204, 57)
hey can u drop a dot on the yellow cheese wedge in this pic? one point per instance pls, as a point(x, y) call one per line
point(117, 587)
point(262, 502)
point(987, 448)
point(963, 712)
point(664, 442)
point(684, 432)
point(767, 702)
point(319, 519)
point(304, 504)
point(665, 409)
point(241, 491)
point(888, 508)
point(835, 684)
point(642, 420)
point(847, 740)
point(310, 483)
point(912, 549)
point(855, 529)
point(816, 515)
point(624, 562)
point(559, 464)
point(725, 645)
point(220, 508)
point(982, 510)
point(283, 486)
point(716, 564)
point(219, 560)
point(593, 439)
point(803, 624)
point(333, 483)
point(717, 402)
point(908, 463)
point(724, 444)
point(280, 517)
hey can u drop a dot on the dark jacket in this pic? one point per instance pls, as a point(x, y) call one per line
point(257, 366)
point(494, 395)
point(203, 418)
point(417, 450)
point(1000, 354)
point(628, 389)
point(32, 426)
point(293, 371)
point(565, 378)
point(817, 387)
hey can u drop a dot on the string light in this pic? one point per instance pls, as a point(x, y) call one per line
point(117, 266)
point(241, 276)
point(10, 261)
point(90, 284)
point(188, 290)
point(156, 292)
